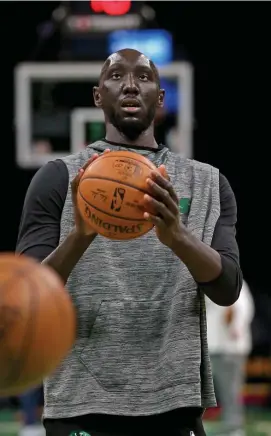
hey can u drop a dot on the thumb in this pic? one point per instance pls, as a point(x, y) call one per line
point(75, 181)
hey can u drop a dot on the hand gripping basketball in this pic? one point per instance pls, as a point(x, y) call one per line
point(81, 227)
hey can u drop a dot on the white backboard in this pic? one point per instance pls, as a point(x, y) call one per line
point(27, 72)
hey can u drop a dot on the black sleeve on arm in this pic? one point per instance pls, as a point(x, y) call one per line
point(225, 290)
point(40, 221)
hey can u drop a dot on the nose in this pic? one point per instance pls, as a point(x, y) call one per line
point(130, 85)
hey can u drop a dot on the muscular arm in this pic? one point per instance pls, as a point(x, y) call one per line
point(39, 230)
point(216, 268)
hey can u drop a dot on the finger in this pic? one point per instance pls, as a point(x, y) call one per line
point(155, 220)
point(75, 182)
point(162, 170)
point(165, 184)
point(89, 161)
point(163, 195)
point(157, 177)
point(158, 208)
point(93, 158)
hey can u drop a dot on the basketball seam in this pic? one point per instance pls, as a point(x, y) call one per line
point(13, 367)
point(112, 215)
point(30, 325)
point(106, 156)
point(116, 181)
point(17, 366)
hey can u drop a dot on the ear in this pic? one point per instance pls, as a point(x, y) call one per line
point(161, 98)
point(97, 96)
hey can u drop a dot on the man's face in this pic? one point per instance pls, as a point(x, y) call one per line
point(129, 93)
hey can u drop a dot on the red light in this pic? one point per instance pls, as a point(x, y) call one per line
point(111, 7)
point(96, 6)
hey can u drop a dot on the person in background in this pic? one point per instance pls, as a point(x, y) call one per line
point(30, 403)
point(230, 342)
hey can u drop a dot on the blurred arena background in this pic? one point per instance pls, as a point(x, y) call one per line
point(213, 60)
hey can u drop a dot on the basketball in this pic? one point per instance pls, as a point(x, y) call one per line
point(37, 323)
point(110, 195)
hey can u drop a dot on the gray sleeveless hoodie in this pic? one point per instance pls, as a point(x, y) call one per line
point(141, 342)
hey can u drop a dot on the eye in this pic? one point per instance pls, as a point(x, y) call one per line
point(144, 77)
point(115, 76)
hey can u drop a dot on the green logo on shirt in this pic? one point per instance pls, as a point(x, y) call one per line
point(79, 433)
point(184, 205)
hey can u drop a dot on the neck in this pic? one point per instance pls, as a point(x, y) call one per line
point(145, 139)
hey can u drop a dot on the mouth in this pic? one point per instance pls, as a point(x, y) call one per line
point(130, 105)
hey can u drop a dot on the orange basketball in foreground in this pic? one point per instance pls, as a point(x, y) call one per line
point(37, 323)
point(110, 194)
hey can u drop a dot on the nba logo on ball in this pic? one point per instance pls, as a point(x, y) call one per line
point(117, 199)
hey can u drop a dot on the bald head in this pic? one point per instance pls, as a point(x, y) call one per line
point(129, 93)
point(130, 56)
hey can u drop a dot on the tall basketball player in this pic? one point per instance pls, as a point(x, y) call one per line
point(140, 365)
